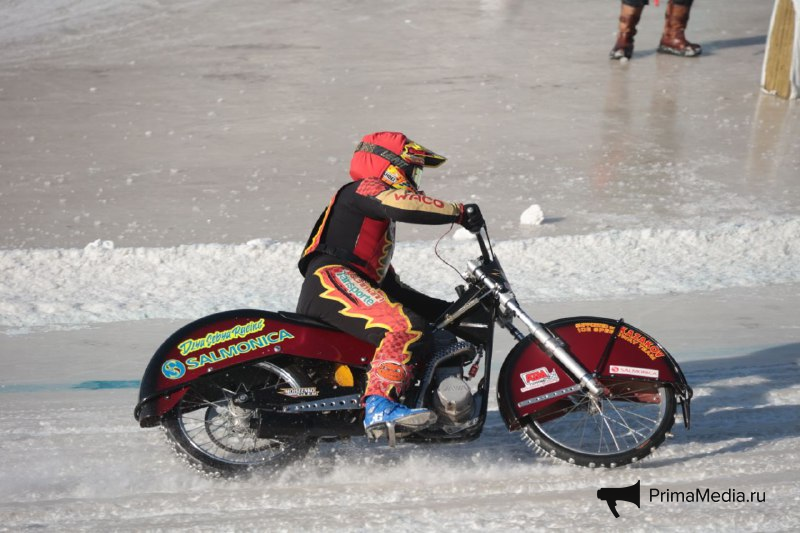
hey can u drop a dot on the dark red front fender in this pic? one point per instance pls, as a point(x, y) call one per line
point(530, 381)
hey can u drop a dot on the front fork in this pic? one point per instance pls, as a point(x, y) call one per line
point(554, 348)
point(550, 343)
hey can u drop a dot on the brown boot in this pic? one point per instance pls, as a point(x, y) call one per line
point(673, 41)
point(628, 19)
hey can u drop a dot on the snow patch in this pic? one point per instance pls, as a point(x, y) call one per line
point(99, 244)
point(533, 216)
point(463, 234)
point(102, 283)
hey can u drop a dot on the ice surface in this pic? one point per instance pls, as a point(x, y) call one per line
point(152, 124)
point(164, 160)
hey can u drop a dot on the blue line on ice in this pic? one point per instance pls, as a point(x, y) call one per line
point(84, 385)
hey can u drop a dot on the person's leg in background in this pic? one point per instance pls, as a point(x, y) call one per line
point(630, 14)
point(673, 41)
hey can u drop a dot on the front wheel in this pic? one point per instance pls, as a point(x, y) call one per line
point(219, 436)
point(605, 432)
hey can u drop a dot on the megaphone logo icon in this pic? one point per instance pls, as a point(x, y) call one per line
point(612, 495)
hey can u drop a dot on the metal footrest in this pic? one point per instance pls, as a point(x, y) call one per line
point(337, 403)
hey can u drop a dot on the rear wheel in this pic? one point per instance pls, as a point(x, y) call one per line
point(605, 432)
point(221, 437)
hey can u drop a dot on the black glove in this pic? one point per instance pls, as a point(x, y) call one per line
point(472, 218)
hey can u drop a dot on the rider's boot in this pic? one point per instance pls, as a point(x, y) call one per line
point(673, 41)
point(628, 19)
point(382, 415)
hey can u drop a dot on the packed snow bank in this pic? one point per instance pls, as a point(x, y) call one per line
point(105, 284)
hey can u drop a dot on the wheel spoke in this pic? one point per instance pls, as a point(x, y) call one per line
point(612, 426)
point(624, 423)
point(636, 415)
point(604, 419)
point(220, 430)
point(630, 430)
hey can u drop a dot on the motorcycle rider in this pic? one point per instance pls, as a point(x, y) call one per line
point(350, 283)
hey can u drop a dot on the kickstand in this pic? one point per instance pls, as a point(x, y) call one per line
point(391, 434)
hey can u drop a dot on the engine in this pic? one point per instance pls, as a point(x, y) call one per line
point(452, 397)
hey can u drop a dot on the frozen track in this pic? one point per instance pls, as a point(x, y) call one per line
point(76, 461)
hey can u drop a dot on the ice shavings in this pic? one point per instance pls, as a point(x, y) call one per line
point(103, 284)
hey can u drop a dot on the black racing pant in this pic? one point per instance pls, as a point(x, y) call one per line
point(381, 315)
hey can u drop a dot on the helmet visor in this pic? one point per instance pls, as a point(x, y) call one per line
point(419, 155)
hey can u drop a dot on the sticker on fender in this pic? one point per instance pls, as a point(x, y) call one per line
point(541, 377)
point(634, 371)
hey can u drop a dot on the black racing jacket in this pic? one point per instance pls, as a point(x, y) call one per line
point(358, 225)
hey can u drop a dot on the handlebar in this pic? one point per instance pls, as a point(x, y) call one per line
point(483, 238)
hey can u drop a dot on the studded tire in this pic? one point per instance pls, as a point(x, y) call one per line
point(607, 433)
point(215, 435)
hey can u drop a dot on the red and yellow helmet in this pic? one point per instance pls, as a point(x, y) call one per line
point(394, 158)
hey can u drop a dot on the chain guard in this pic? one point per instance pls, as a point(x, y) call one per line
point(337, 403)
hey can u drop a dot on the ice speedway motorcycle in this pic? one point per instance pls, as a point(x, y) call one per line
point(246, 389)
